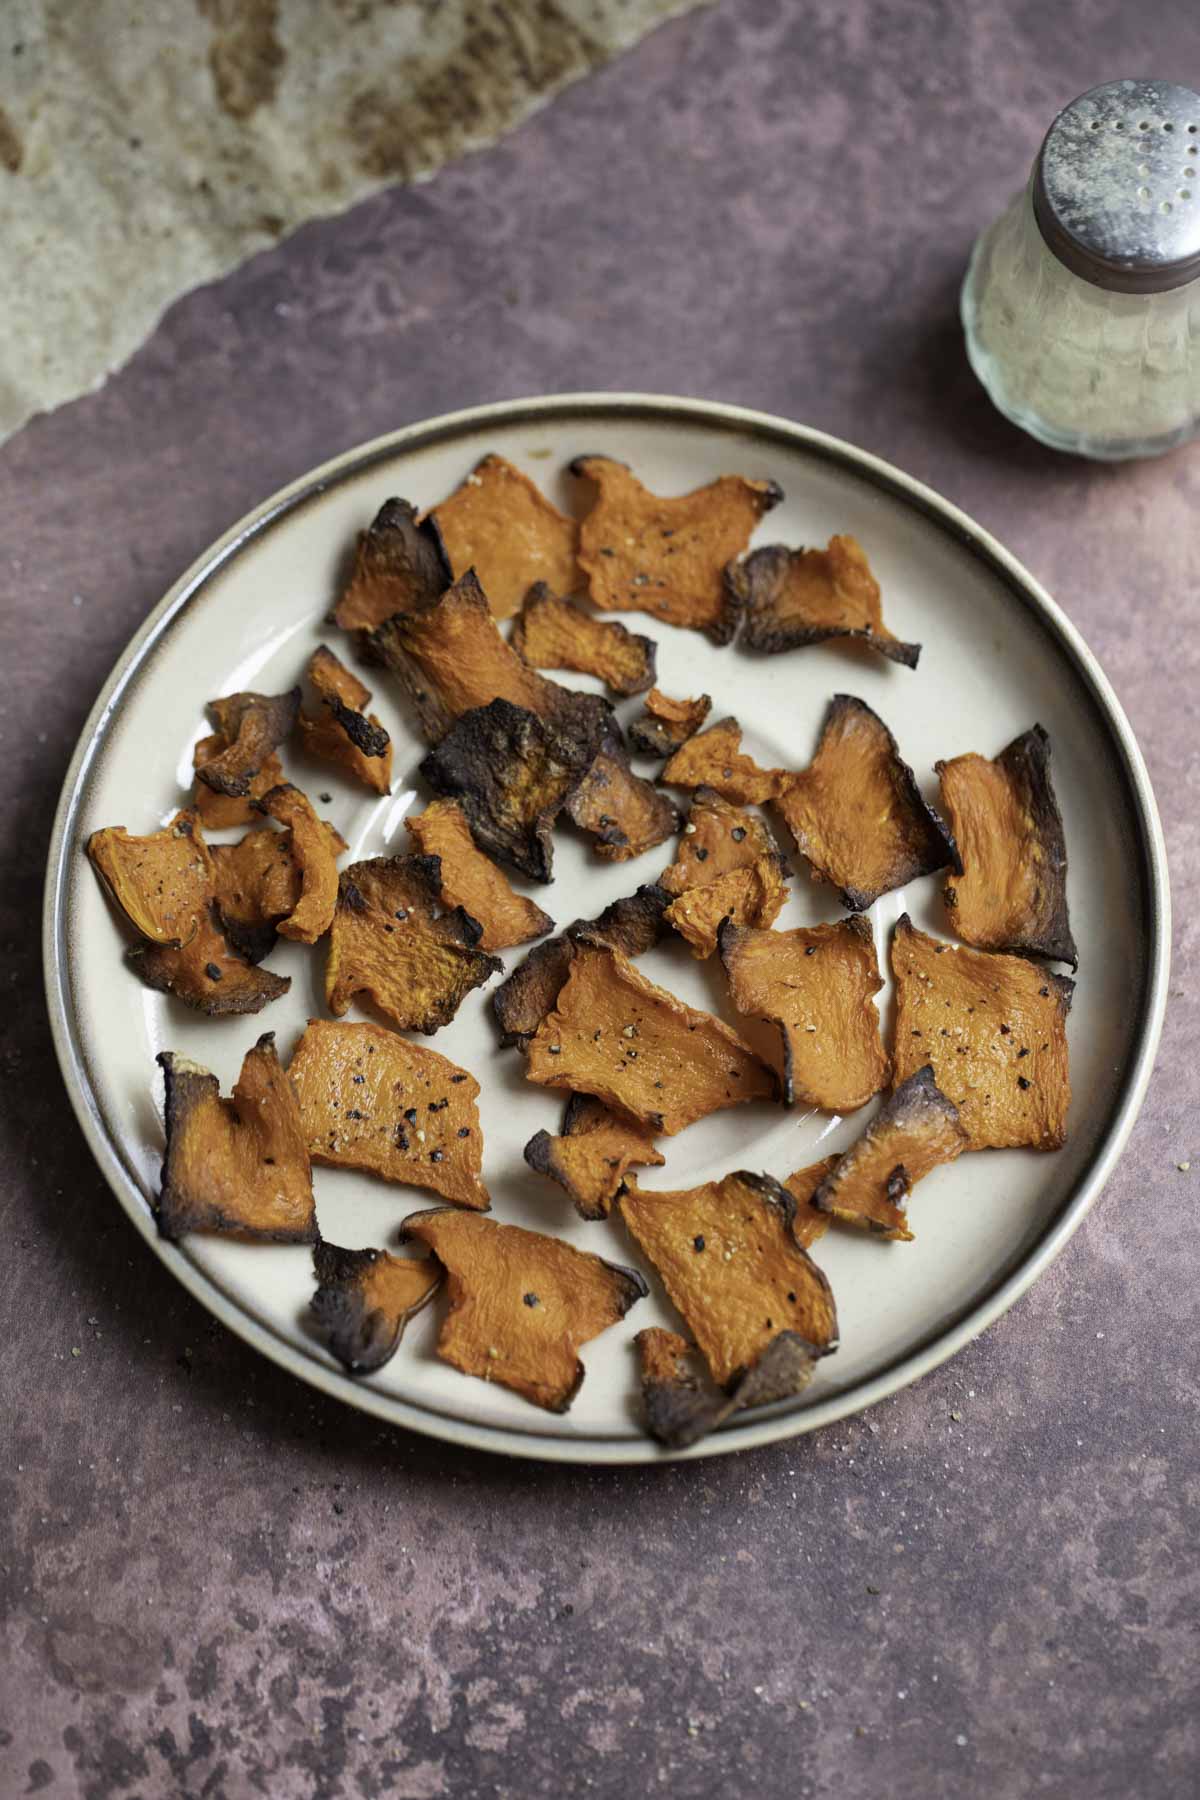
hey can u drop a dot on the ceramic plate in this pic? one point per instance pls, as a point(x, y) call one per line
point(998, 655)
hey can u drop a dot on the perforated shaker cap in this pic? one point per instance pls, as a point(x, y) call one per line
point(1114, 188)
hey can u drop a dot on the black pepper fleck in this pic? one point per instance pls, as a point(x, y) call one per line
point(697, 1243)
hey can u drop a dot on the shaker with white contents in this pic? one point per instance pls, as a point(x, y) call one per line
point(1082, 302)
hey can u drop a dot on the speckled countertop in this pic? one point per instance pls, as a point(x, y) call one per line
point(216, 1582)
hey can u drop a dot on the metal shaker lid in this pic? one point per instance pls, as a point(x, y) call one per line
point(1114, 187)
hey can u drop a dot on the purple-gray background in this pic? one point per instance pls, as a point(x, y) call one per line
point(215, 1582)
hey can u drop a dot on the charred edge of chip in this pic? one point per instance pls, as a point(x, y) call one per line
point(365, 734)
point(282, 711)
point(254, 941)
point(683, 1405)
point(362, 1338)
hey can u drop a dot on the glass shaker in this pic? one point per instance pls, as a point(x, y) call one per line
point(1081, 305)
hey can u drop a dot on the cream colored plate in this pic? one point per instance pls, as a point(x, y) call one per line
point(998, 655)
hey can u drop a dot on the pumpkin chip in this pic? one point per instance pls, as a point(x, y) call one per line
point(594, 1154)
point(162, 883)
point(809, 1224)
point(633, 925)
point(994, 1029)
point(365, 1298)
point(399, 566)
point(257, 883)
point(217, 812)
point(731, 1266)
point(392, 941)
point(856, 811)
point(717, 838)
point(916, 1129)
point(236, 1166)
point(790, 598)
point(250, 727)
point(370, 1100)
point(452, 659)
point(314, 847)
point(680, 1401)
point(714, 760)
point(642, 552)
point(625, 814)
point(1012, 893)
point(816, 984)
point(639, 1049)
point(208, 972)
point(550, 633)
point(521, 1303)
point(749, 896)
point(501, 525)
point(471, 880)
point(664, 724)
point(341, 732)
point(512, 774)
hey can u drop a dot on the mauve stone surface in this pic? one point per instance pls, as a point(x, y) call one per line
point(216, 1582)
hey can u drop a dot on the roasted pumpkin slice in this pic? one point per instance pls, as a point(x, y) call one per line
point(750, 896)
point(553, 633)
point(452, 659)
point(512, 774)
point(633, 925)
point(856, 811)
point(471, 880)
point(237, 1166)
point(995, 1030)
point(681, 1403)
point(250, 727)
point(257, 883)
point(1012, 893)
point(732, 1267)
point(392, 941)
point(639, 1049)
point(162, 883)
point(371, 1100)
point(593, 1155)
point(790, 598)
point(715, 760)
point(521, 1303)
point(809, 1224)
point(625, 814)
point(817, 985)
point(500, 524)
point(664, 724)
point(314, 847)
point(341, 731)
point(399, 566)
point(644, 552)
point(207, 973)
point(218, 812)
point(915, 1130)
point(717, 838)
point(365, 1298)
